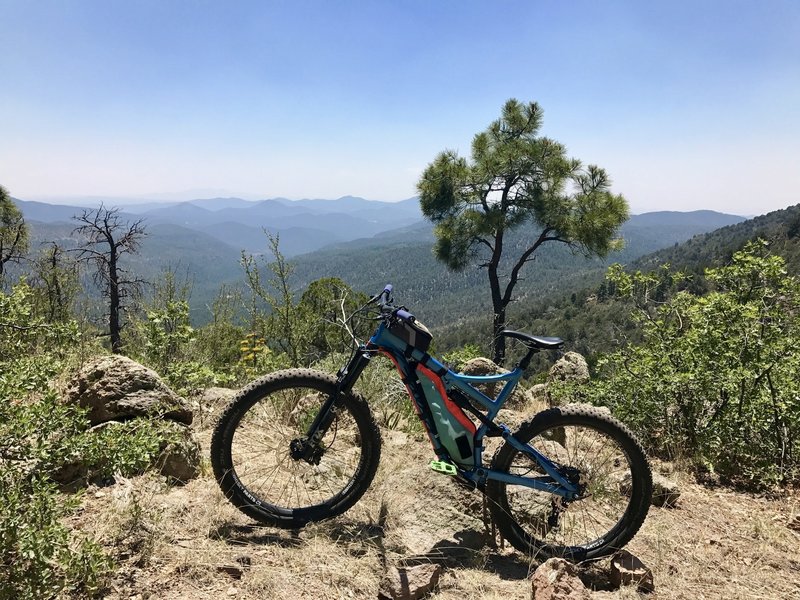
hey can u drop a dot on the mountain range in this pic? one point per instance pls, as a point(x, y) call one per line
point(303, 225)
point(366, 243)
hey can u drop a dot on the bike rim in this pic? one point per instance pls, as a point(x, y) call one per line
point(262, 461)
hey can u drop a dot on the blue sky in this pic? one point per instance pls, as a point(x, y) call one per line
point(686, 104)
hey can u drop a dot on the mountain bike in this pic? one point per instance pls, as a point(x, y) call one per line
point(300, 445)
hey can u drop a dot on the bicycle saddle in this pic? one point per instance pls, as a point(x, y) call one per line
point(534, 341)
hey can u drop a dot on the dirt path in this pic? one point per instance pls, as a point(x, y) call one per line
point(188, 542)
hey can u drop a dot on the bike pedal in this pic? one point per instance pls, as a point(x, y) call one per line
point(443, 467)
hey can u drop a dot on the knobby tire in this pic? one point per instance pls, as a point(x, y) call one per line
point(612, 465)
point(251, 458)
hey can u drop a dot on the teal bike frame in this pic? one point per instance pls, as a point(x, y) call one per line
point(460, 389)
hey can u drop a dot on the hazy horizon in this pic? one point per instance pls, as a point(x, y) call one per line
point(123, 202)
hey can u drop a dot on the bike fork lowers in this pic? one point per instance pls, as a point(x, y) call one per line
point(310, 448)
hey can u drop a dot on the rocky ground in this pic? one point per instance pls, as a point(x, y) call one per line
point(188, 542)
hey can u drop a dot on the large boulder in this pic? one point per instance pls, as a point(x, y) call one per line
point(571, 367)
point(115, 388)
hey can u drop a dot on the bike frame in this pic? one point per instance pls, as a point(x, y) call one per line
point(552, 483)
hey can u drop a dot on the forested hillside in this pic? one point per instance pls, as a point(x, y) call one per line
point(440, 296)
point(205, 253)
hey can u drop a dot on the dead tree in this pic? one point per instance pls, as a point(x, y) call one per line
point(107, 239)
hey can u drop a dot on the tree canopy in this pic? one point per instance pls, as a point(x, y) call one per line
point(13, 231)
point(516, 178)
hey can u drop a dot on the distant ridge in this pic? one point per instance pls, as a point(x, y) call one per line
point(781, 228)
point(305, 225)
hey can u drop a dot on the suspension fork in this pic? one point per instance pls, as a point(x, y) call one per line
point(345, 380)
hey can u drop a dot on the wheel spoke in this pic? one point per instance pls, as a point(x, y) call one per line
point(591, 451)
point(252, 450)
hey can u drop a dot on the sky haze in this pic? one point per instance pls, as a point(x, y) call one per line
point(686, 104)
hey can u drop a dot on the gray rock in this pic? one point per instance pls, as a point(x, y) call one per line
point(557, 579)
point(216, 396)
point(666, 492)
point(538, 393)
point(409, 583)
point(179, 459)
point(116, 387)
point(178, 456)
point(626, 569)
point(570, 367)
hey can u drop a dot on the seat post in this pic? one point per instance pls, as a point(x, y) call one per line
point(523, 364)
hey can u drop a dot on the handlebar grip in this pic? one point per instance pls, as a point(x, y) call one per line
point(405, 315)
point(383, 297)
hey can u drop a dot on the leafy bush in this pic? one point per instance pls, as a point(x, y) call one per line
point(40, 438)
point(456, 359)
point(715, 378)
point(39, 556)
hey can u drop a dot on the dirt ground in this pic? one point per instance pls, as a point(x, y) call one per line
point(188, 542)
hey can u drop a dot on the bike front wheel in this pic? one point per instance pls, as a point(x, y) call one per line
point(257, 466)
point(594, 451)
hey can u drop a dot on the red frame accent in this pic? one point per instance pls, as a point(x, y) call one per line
point(452, 407)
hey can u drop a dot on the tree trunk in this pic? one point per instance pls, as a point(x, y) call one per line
point(499, 317)
point(499, 341)
point(498, 304)
point(113, 306)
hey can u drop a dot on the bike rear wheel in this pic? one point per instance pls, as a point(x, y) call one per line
point(253, 461)
point(589, 448)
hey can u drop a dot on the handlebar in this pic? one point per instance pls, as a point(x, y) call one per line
point(384, 300)
point(385, 296)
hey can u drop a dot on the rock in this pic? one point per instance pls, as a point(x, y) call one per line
point(538, 393)
point(481, 366)
point(626, 569)
point(180, 453)
point(665, 492)
point(409, 583)
point(557, 579)
point(794, 524)
point(570, 367)
point(178, 456)
point(213, 399)
point(116, 387)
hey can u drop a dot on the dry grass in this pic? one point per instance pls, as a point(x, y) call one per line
point(188, 542)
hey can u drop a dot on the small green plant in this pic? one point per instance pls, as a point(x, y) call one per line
point(456, 359)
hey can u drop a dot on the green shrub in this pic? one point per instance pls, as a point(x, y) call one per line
point(715, 378)
point(456, 359)
point(39, 556)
